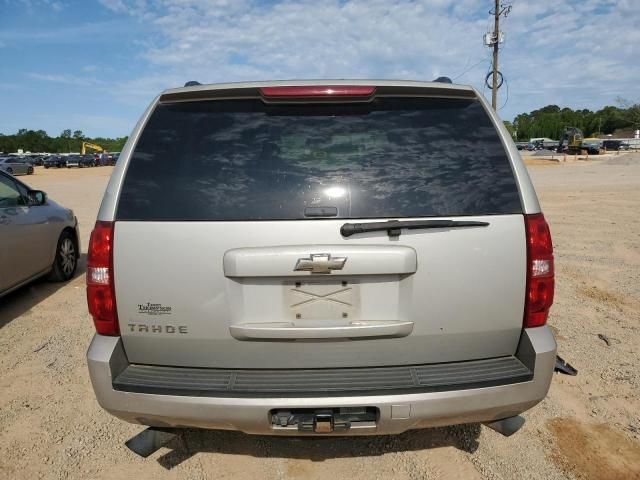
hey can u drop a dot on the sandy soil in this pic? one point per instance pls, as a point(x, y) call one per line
point(588, 427)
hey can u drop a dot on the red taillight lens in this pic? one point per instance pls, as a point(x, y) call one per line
point(318, 91)
point(101, 297)
point(540, 274)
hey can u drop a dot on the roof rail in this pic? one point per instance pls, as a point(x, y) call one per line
point(443, 80)
point(193, 83)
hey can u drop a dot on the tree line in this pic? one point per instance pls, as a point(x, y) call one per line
point(550, 121)
point(67, 141)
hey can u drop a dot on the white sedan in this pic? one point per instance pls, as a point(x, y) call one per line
point(37, 236)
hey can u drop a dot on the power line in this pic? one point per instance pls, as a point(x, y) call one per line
point(507, 97)
point(484, 59)
point(484, 84)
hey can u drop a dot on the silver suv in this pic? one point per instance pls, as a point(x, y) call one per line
point(325, 257)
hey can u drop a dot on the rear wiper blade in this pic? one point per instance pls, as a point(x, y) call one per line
point(394, 227)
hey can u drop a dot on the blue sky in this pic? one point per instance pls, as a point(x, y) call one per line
point(95, 65)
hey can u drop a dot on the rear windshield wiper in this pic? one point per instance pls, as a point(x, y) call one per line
point(394, 227)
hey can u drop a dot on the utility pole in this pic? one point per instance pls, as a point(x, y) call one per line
point(496, 43)
point(494, 40)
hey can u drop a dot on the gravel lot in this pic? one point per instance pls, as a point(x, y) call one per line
point(588, 427)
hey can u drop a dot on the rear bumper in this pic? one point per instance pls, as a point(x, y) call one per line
point(397, 412)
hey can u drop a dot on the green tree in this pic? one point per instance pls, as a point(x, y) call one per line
point(550, 121)
point(631, 113)
point(40, 141)
point(66, 136)
point(78, 136)
point(510, 127)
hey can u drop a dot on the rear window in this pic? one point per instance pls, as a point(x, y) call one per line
point(247, 160)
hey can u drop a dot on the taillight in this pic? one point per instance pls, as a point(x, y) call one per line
point(101, 297)
point(540, 283)
point(318, 91)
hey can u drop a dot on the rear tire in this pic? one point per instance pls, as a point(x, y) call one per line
point(10, 171)
point(66, 261)
point(30, 171)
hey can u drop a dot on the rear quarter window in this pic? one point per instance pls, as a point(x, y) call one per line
point(248, 160)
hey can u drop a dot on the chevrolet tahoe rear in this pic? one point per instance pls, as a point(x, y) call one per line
point(320, 258)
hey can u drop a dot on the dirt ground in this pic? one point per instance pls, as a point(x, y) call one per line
point(588, 427)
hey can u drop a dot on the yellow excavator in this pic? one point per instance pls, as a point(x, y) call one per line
point(92, 146)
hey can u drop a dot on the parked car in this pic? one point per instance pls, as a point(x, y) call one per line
point(25, 159)
point(57, 161)
point(355, 257)
point(114, 158)
point(80, 161)
point(544, 145)
point(591, 145)
point(33, 160)
point(29, 162)
point(37, 236)
point(615, 145)
point(14, 166)
point(73, 161)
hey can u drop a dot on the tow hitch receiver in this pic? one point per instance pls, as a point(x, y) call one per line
point(324, 420)
point(323, 423)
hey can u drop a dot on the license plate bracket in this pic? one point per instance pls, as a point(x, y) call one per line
point(322, 300)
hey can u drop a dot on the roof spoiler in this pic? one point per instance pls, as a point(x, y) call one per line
point(436, 88)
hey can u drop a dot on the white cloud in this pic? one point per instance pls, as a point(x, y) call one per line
point(32, 6)
point(554, 52)
point(219, 40)
point(71, 33)
point(92, 124)
point(309, 39)
point(114, 5)
point(66, 79)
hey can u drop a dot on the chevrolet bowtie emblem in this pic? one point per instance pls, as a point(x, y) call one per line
point(320, 263)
